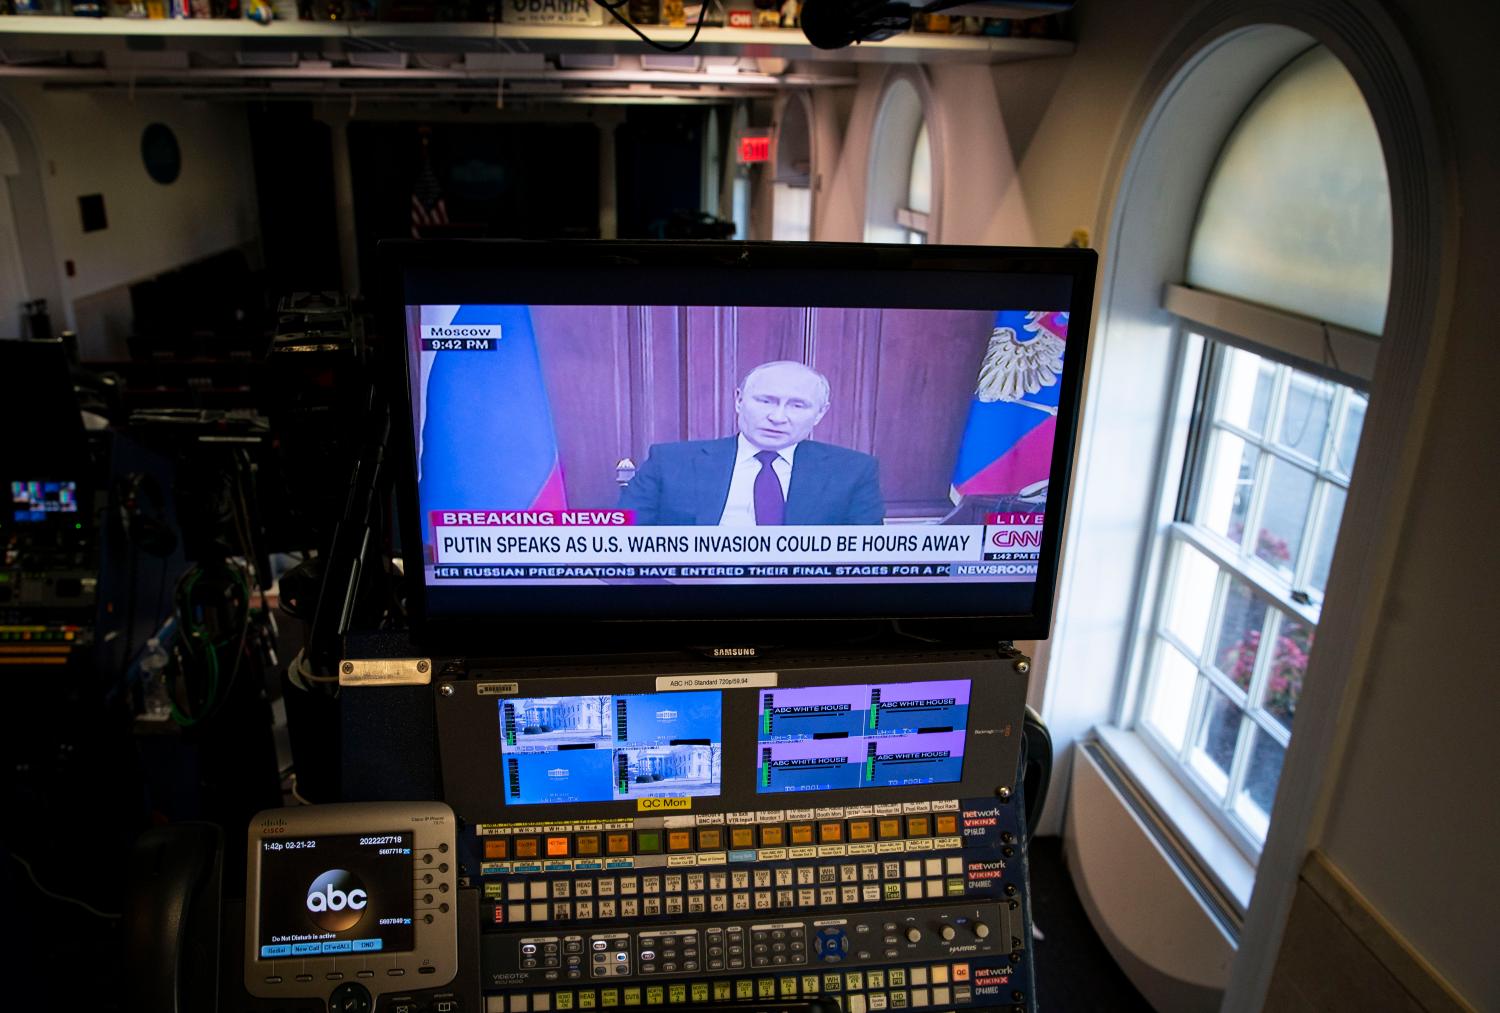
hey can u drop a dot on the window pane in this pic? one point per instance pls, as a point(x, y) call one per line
point(1304, 416)
point(1288, 499)
point(919, 187)
point(1213, 744)
point(1240, 630)
point(1192, 596)
point(1228, 481)
point(1253, 804)
point(1170, 699)
point(1328, 533)
point(1288, 666)
point(1347, 442)
point(1245, 394)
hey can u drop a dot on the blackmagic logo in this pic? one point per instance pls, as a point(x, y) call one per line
point(336, 900)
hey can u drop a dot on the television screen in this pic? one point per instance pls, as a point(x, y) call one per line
point(620, 431)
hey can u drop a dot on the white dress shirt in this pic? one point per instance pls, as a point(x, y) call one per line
point(739, 508)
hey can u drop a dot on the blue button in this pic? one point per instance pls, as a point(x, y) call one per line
point(742, 856)
point(363, 945)
point(339, 946)
point(275, 951)
point(300, 948)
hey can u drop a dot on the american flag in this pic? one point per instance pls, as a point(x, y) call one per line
point(427, 207)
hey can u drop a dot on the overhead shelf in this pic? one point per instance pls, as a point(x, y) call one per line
point(20, 35)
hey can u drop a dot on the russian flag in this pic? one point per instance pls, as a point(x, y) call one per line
point(1007, 443)
point(487, 439)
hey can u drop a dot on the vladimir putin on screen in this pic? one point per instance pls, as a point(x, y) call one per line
point(770, 473)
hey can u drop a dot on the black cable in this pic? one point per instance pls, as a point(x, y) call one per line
point(664, 47)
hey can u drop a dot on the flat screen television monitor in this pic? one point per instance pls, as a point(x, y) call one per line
point(754, 437)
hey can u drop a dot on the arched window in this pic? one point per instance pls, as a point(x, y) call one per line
point(899, 198)
point(791, 189)
point(1282, 302)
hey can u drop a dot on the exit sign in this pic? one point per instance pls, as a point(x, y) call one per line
point(755, 149)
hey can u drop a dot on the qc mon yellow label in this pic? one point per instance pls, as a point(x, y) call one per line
point(663, 805)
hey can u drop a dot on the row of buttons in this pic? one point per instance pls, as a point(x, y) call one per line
point(854, 991)
point(773, 889)
point(394, 972)
point(771, 835)
point(679, 820)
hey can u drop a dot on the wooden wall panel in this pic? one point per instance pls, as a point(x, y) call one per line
point(929, 363)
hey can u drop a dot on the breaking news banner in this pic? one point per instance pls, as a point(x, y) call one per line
point(605, 544)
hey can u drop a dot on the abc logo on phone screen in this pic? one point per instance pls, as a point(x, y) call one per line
point(336, 900)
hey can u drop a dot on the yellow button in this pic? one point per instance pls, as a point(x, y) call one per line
point(618, 844)
point(679, 840)
point(496, 847)
point(526, 847)
point(890, 828)
point(587, 844)
point(918, 826)
point(742, 837)
point(557, 847)
point(947, 825)
point(710, 839)
point(802, 833)
point(773, 837)
point(861, 830)
point(830, 833)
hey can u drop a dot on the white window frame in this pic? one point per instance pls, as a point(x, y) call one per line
point(1191, 424)
point(893, 135)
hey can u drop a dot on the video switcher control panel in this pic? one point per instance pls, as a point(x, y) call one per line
point(851, 834)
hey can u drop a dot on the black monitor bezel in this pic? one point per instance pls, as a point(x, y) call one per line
point(590, 618)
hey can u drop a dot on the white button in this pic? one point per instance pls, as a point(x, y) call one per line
point(919, 997)
point(606, 909)
point(585, 888)
point(494, 1004)
point(919, 975)
point(877, 1001)
point(518, 1004)
point(515, 913)
point(627, 885)
point(942, 996)
point(955, 865)
point(541, 1002)
point(742, 902)
point(849, 894)
point(871, 893)
point(607, 886)
point(914, 890)
point(913, 868)
point(539, 891)
point(515, 891)
point(585, 909)
point(856, 1004)
point(539, 912)
point(940, 975)
point(629, 908)
point(562, 888)
point(934, 888)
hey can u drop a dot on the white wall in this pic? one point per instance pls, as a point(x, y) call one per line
point(90, 143)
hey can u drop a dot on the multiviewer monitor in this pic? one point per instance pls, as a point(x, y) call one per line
point(613, 432)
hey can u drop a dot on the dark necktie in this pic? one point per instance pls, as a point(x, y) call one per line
point(770, 504)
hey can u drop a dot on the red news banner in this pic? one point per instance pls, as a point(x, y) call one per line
point(595, 543)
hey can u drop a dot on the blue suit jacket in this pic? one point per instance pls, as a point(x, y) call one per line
point(688, 483)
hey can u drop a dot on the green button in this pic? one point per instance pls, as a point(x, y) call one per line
point(765, 988)
point(723, 991)
point(788, 987)
point(744, 990)
point(809, 984)
point(955, 888)
point(563, 1000)
point(876, 979)
point(893, 891)
point(494, 891)
point(898, 977)
point(700, 992)
point(633, 996)
point(609, 997)
point(586, 999)
point(833, 982)
point(648, 842)
point(654, 995)
point(676, 993)
point(855, 980)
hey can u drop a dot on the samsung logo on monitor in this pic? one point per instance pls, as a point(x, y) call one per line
point(732, 652)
